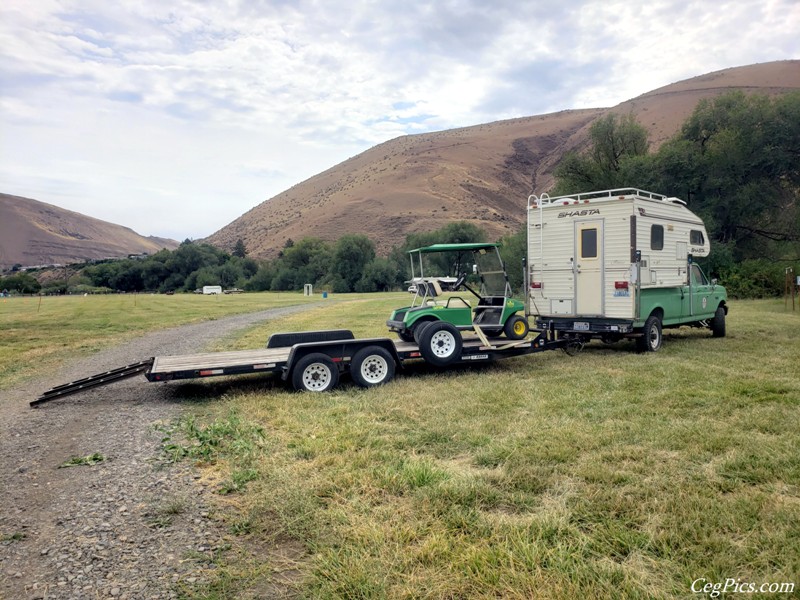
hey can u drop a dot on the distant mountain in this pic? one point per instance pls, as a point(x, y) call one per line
point(36, 233)
point(481, 174)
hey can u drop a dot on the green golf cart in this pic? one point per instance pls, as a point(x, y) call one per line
point(437, 301)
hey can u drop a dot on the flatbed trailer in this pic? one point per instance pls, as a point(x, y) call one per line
point(314, 360)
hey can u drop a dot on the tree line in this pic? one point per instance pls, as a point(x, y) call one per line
point(735, 161)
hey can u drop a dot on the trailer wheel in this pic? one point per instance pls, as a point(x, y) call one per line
point(718, 322)
point(651, 338)
point(315, 373)
point(440, 343)
point(516, 327)
point(372, 366)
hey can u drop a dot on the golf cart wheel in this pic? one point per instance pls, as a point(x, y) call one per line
point(406, 337)
point(651, 335)
point(418, 328)
point(315, 373)
point(516, 327)
point(440, 343)
point(372, 366)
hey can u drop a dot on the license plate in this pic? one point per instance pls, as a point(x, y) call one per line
point(580, 326)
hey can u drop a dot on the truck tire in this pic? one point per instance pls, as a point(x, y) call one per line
point(651, 338)
point(315, 373)
point(440, 343)
point(372, 366)
point(516, 327)
point(718, 322)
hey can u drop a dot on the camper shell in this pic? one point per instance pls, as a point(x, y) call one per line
point(601, 264)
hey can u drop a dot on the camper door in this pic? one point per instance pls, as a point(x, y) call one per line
point(588, 268)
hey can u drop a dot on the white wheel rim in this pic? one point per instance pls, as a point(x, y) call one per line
point(443, 344)
point(316, 377)
point(374, 369)
point(654, 336)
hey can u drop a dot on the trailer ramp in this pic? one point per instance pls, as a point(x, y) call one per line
point(94, 381)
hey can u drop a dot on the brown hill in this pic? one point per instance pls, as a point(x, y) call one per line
point(36, 233)
point(481, 174)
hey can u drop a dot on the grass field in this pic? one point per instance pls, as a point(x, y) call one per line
point(606, 475)
point(609, 474)
point(38, 333)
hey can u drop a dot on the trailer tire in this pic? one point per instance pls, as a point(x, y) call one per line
point(372, 366)
point(440, 343)
point(651, 338)
point(718, 322)
point(315, 373)
point(516, 327)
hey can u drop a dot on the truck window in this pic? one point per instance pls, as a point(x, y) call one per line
point(696, 237)
point(697, 276)
point(588, 243)
point(657, 237)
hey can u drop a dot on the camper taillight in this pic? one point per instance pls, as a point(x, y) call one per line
point(536, 285)
point(620, 285)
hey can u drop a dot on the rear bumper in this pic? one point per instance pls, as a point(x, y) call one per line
point(586, 325)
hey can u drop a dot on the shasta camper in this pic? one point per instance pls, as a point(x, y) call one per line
point(619, 263)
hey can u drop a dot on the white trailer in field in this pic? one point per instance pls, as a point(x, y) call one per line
point(619, 262)
point(209, 290)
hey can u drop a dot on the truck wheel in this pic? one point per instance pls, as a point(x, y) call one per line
point(372, 366)
point(650, 341)
point(440, 343)
point(315, 373)
point(516, 327)
point(718, 323)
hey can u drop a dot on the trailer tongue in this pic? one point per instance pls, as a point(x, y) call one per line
point(313, 360)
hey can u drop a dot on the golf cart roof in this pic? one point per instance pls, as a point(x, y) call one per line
point(456, 247)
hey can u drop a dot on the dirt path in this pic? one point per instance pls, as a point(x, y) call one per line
point(125, 527)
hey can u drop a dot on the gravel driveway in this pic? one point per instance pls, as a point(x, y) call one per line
point(127, 527)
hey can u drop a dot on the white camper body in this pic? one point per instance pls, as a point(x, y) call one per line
point(596, 256)
point(212, 289)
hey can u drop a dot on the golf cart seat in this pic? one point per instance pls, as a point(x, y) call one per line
point(429, 289)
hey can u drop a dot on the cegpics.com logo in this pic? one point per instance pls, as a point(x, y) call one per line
point(714, 589)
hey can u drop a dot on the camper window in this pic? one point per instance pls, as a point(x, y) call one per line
point(696, 237)
point(588, 243)
point(657, 237)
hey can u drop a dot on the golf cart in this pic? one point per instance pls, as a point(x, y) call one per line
point(494, 311)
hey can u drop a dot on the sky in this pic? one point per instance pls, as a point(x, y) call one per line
point(175, 117)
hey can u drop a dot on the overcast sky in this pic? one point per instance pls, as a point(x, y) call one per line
point(174, 117)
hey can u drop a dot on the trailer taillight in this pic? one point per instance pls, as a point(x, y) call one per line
point(536, 285)
point(620, 285)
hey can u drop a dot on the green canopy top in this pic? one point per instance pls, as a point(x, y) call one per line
point(456, 247)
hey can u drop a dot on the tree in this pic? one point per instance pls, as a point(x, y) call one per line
point(239, 249)
point(613, 141)
point(352, 254)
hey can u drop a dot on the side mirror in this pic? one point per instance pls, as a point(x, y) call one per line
point(714, 281)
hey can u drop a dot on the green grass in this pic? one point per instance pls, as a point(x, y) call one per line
point(38, 334)
point(610, 474)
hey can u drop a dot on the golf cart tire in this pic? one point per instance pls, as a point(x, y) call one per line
point(440, 344)
point(315, 373)
point(372, 366)
point(516, 327)
point(406, 337)
point(417, 330)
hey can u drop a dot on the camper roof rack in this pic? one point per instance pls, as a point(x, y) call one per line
point(603, 195)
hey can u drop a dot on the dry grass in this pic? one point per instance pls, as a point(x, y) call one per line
point(610, 474)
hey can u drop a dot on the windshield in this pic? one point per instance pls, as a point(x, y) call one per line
point(493, 276)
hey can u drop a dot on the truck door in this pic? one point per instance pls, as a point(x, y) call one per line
point(588, 268)
point(700, 292)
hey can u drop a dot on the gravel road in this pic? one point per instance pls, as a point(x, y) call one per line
point(127, 527)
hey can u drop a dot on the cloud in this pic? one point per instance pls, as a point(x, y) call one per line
point(202, 110)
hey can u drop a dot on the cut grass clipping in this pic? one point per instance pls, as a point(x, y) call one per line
point(606, 475)
point(82, 461)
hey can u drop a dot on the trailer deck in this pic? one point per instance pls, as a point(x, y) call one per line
point(321, 355)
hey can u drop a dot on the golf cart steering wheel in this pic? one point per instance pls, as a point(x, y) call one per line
point(460, 281)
